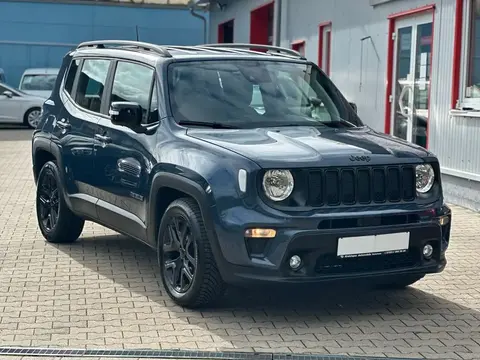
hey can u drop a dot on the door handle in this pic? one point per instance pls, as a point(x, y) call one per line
point(63, 124)
point(103, 139)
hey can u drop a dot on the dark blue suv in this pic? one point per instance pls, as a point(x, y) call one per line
point(237, 166)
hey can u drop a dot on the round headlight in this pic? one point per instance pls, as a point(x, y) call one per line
point(278, 184)
point(425, 176)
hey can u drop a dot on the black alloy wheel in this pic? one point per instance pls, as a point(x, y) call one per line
point(49, 204)
point(180, 255)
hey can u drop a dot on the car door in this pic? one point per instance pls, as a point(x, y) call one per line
point(123, 158)
point(11, 109)
point(74, 128)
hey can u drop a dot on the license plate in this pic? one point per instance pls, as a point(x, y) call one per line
point(360, 246)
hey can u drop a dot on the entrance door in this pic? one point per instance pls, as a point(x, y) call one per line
point(411, 85)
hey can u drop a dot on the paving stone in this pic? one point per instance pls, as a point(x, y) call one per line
point(104, 291)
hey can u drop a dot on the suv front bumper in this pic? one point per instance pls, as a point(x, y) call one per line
point(315, 241)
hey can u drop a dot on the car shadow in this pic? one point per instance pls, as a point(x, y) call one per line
point(348, 314)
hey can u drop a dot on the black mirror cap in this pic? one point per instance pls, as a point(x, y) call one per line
point(354, 106)
point(126, 113)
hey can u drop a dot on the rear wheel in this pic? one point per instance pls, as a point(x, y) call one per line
point(189, 273)
point(31, 117)
point(56, 221)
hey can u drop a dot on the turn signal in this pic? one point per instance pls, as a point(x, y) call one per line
point(444, 220)
point(260, 233)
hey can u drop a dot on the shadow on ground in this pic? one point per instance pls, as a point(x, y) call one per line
point(349, 315)
point(15, 133)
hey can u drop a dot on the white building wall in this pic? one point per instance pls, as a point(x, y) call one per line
point(361, 73)
point(238, 10)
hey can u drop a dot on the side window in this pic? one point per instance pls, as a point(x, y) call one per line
point(91, 83)
point(2, 89)
point(133, 83)
point(72, 71)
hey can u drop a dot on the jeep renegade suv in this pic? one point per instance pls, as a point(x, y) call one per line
point(237, 166)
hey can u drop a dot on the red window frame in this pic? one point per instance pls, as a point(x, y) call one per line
point(321, 32)
point(299, 45)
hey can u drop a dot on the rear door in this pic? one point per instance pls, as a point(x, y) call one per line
point(75, 127)
point(11, 108)
point(124, 158)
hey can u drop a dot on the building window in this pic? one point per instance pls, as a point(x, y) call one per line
point(225, 32)
point(325, 47)
point(299, 46)
point(470, 83)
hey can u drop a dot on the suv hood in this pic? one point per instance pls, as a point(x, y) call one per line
point(302, 146)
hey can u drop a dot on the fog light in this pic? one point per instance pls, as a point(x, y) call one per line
point(444, 220)
point(260, 233)
point(427, 251)
point(295, 262)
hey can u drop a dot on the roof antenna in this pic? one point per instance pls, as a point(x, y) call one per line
point(136, 31)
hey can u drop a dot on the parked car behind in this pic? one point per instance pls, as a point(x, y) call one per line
point(38, 82)
point(19, 107)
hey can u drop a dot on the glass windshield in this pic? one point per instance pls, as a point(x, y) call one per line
point(38, 82)
point(246, 93)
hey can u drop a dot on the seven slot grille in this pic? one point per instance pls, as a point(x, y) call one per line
point(363, 185)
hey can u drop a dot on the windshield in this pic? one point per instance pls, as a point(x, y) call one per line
point(43, 82)
point(246, 93)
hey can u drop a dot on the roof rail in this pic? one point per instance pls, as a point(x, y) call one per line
point(137, 44)
point(272, 48)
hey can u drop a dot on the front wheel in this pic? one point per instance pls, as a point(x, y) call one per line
point(188, 269)
point(56, 221)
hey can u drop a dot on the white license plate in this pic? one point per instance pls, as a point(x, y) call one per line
point(373, 245)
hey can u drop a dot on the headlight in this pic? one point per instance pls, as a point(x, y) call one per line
point(425, 176)
point(278, 184)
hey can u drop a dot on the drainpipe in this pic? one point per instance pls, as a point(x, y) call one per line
point(204, 23)
point(277, 22)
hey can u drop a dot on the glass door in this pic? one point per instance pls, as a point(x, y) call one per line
point(411, 85)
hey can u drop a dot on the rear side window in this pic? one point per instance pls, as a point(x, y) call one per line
point(38, 82)
point(72, 71)
point(133, 83)
point(91, 83)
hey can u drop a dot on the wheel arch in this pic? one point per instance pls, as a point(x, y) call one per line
point(30, 108)
point(167, 187)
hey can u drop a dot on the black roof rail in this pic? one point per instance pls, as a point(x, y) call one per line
point(102, 44)
point(271, 48)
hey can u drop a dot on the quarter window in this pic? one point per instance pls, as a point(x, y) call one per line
point(133, 83)
point(72, 71)
point(91, 83)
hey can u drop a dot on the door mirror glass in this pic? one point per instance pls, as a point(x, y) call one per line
point(125, 113)
point(8, 94)
point(354, 106)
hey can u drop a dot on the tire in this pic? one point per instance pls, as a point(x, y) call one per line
point(28, 120)
point(401, 282)
point(67, 227)
point(183, 217)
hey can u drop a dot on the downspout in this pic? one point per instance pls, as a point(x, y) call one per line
point(277, 22)
point(204, 23)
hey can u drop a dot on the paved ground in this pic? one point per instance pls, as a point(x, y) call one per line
point(104, 292)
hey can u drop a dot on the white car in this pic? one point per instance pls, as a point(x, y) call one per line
point(17, 107)
point(39, 82)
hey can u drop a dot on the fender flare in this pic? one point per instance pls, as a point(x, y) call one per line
point(195, 190)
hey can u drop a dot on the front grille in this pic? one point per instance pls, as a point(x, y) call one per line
point(330, 264)
point(361, 185)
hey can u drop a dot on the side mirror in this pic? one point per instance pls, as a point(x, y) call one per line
point(354, 106)
point(8, 94)
point(127, 114)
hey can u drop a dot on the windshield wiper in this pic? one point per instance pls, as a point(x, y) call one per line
point(213, 125)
